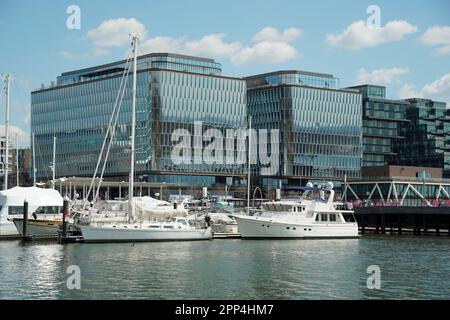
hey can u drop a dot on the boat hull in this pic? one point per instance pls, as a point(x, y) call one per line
point(256, 228)
point(45, 229)
point(106, 234)
point(8, 230)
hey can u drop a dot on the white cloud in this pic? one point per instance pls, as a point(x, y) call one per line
point(213, 44)
point(437, 90)
point(408, 91)
point(265, 52)
point(269, 45)
point(22, 136)
point(162, 44)
point(272, 34)
point(116, 32)
point(437, 36)
point(379, 77)
point(358, 35)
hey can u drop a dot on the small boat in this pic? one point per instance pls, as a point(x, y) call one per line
point(44, 211)
point(310, 217)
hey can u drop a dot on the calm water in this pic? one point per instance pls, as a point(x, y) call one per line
point(411, 268)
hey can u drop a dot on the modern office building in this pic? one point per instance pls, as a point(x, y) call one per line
point(173, 91)
point(320, 125)
point(382, 120)
point(427, 135)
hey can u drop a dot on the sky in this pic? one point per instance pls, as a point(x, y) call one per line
point(407, 49)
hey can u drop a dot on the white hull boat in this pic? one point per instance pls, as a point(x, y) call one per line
point(311, 217)
point(259, 227)
point(45, 204)
point(176, 230)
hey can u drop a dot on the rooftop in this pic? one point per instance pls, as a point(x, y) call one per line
point(306, 73)
point(155, 54)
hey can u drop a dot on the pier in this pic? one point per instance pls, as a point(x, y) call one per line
point(415, 220)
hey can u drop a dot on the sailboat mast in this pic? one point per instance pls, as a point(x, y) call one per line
point(7, 83)
point(34, 161)
point(248, 162)
point(54, 162)
point(17, 160)
point(133, 129)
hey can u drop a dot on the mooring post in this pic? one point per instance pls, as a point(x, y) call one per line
point(383, 227)
point(25, 221)
point(65, 213)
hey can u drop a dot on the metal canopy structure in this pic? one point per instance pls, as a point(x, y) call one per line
point(72, 185)
point(399, 192)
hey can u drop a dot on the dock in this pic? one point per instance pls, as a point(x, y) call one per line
point(415, 220)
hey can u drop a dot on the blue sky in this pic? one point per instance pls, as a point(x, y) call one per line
point(409, 53)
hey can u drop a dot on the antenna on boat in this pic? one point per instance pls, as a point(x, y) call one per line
point(133, 129)
point(7, 79)
point(248, 163)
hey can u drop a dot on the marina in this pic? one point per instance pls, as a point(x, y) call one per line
point(143, 157)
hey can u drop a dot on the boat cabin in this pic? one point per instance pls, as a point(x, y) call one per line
point(284, 207)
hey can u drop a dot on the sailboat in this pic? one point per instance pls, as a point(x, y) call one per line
point(144, 228)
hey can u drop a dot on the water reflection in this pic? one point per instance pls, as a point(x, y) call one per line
point(411, 268)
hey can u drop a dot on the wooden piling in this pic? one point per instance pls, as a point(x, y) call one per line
point(25, 235)
point(63, 236)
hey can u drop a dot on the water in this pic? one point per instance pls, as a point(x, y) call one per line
point(411, 268)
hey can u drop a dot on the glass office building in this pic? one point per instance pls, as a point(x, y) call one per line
point(320, 126)
point(173, 91)
point(382, 122)
point(427, 135)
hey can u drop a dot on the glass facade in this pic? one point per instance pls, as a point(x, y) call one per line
point(320, 129)
point(179, 99)
point(427, 135)
point(382, 120)
point(173, 91)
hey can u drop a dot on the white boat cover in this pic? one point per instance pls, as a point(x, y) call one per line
point(146, 207)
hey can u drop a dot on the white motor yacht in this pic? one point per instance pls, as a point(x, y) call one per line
point(308, 217)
